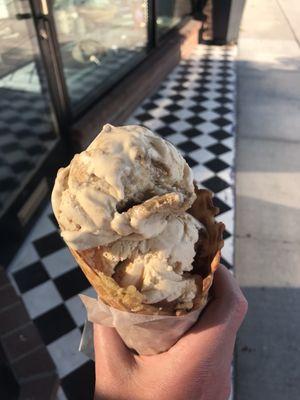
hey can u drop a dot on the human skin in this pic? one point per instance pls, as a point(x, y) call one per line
point(197, 367)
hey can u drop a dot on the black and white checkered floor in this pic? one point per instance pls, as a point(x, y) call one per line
point(194, 109)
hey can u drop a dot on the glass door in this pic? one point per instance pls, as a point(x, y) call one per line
point(99, 41)
point(30, 147)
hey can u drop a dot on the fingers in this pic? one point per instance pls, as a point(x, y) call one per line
point(110, 350)
point(227, 305)
point(219, 322)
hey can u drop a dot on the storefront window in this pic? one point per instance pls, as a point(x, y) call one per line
point(100, 40)
point(169, 13)
point(27, 126)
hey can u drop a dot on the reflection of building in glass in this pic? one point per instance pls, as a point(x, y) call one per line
point(99, 40)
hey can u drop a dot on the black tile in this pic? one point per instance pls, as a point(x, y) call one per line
point(169, 119)
point(223, 207)
point(179, 88)
point(197, 109)
point(222, 100)
point(226, 234)
point(220, 134)
point(53, 219)
point(149, 106)
point(144, 117)
point(180, 80)
point(21, 166)
point(224, 74)
point(195, 120)
point(225, 263)
point(31, 276)
point(10, 147)
point(71, 283)
point(165, 131)
point(218, 148)
point(36, 149)
point(47, 136)
point(224, 90)
point(54, 323)
point(222, 110)
point(35, 121)
point(49, 244)
point(79, 384)
point(10, 120)
point(188, 146)
point(221, 121)
point(176, 97)
point(156, 96)
point(204, 81)
point(172, 107)
point(215, 184)
point(216, 165)
point(192, 132)
point(191, 162)
point(199, 98)
point(8, 184)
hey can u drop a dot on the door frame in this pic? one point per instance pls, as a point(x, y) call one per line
point(34, 193)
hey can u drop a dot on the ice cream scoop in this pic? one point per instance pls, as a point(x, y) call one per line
point(122, 167)
point(122, 209)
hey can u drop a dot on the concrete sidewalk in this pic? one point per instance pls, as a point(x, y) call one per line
point(268, 200)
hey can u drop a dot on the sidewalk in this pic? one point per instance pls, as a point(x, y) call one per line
point(267, 240)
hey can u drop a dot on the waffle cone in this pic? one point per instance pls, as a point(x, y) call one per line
point(206, 261)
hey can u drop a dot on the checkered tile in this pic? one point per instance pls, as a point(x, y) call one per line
point(25, 136)
point(194, 109)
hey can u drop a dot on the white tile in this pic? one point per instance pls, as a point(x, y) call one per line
point(227, 250)
point(60, 395)
point(201, 155)
point(154, 124)
point(90, 292)
point(43, 226)
point(213, 85)
point(65, 354)
point(183, 113)
point(180, 126)
point(229, 142)
point(201, 173)
point(204, 140)
point(186, 103)
point(189, 92)
point(163, 102)
point(158, 112)
point(210, 104)
point(207, 127)
point(227, 219)
point(228, 157)
point(132, 121)
point(77, 310)
point(227, 175)
point(59, 262)
point(25, 256)
point(176, 138)
point(41, 299)
point(209, 115)
point(227, 196)
point(168, 91)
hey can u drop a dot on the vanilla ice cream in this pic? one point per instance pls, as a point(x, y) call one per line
point(127, 194)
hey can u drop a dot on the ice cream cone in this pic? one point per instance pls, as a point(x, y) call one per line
point(130, 299)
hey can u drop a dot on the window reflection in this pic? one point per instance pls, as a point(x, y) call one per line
point(100, 40)
point(169, 14)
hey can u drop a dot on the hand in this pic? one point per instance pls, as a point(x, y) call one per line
point(196, 367)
